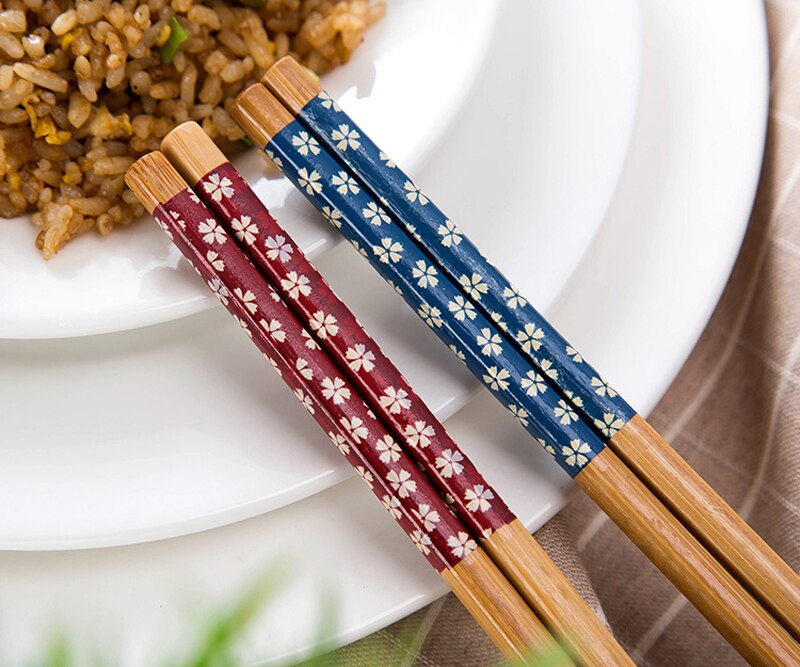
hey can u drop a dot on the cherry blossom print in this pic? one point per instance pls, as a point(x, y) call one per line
point(546, 367)
point(451, 235)
point(274, 158)
point(310, 182)
point(401, 482)
point(395, 400)
point(573, 354)
point(333, 216)
point(304, 399)
point(335, 390)
point(310, 343)
point(278, 248)
point(533, 384)
point(497, 318)
point(461, 545)
point(478, 498)
point(392, 505)
point(366, 475)
point(388, 450)
point(496, 378)
point(165, 228)
point(192, 196)
point(520, 414)
point(530, 337)
point(609, 425)
point(577, 401)
point(304, 368)
point(215, 261)
point(323, 325)
point(244, 229)
point(387, 160)
point(375, 215)
point(421, 541)
point(426, 516)
point(346, 138)
point(425, 274)
point(219, 290)
point(247, 299)
point(344, 183)
point(274, 329)
point(564, 412)
point(396, 288)
point(576, 453)
point(176, 216)
point(474, 285)
point(274, 365)
point(430, 315)
point(414, 194)
point(461, 308)
point(490, 343)
point(328, 102)
point(295, 285)
point(360, 250)
point(449, 463)
point(218, 187)
point(388, 251)
point(419, 434)
point(602, 388)
point(513, 298)
point(355, 427)
point(359, 357)
point(305, 144)
point(212, 232)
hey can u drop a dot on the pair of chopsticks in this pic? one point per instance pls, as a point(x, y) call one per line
point(700, 544)
point(365, 405)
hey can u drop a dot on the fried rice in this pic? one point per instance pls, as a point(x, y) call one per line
point(87, 87)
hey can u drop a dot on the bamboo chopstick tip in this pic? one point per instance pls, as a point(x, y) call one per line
point(153, 180)
point(191, 151)
point(260, 114)
point(292, 83)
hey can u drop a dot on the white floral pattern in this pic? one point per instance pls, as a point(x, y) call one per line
point(414, 194)
point(335, 390)
point(295, 285)
point(358, 358)
point(278, 248)
point(461, 545)
point(425, 274)
point(305, 144)
point(533, 384)
point(212, 232)
point(419, 434)
point(576, 453)
point(430, 315)
point(478, 498)
point(218, 187)
point(388, 448)
point(346, 138)
point(474, 285)
point(247, 299)
point(461, 308)
point(451, 235)
point(449, 463)
point(375, 215)
point(388, 251)
point(530, 337)
point(395, 400)
point(323, 325)
point(344, 183)
point(310, 182)
point(245, 229)
point(401, 482)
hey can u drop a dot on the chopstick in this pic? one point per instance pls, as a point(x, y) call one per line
point(628, 434)
point(341, 413)
point(548, 417)
point(477, 504)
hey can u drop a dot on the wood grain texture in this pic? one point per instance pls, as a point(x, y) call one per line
point(554, 598)
point(153, 180)
point(745, 624)
point(479, 585)
point(711, 519)
point(191, 151)
point(260, 114)
point(295, 91)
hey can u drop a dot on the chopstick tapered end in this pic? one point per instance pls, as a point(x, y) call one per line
point(191, 151)
point(291, 83)
point(260, 114)
point(154, 180)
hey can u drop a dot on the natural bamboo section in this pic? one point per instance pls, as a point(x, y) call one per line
point(153, 181)
point(480, 587)
point(711, 519)
point(553, 597)
point(694, 571)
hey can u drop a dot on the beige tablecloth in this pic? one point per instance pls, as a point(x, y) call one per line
point(733, 412)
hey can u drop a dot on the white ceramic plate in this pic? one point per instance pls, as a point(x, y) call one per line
point(132, 602)
point(405, 83)
point(158, 432)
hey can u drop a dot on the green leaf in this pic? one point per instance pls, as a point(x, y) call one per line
point(177, 36)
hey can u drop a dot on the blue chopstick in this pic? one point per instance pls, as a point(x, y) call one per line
point(526, 328)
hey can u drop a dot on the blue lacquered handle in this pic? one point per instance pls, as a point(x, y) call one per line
point(529, 331)
point(437, 299)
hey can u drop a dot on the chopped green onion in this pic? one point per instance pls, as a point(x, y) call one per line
point(247, 141)
point(177, 36)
